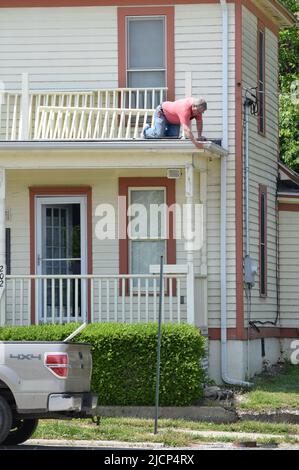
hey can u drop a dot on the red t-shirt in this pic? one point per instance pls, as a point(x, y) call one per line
point(180, 111)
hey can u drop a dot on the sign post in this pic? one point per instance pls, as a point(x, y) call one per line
point(159, 347)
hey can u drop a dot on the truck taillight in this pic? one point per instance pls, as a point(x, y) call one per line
point(58, 363)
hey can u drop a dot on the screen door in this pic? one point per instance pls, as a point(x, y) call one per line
point(61, 254)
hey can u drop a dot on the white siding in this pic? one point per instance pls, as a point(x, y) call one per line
point(263, 160)
point(59, 47)
point(198, 48)
point(289, 268)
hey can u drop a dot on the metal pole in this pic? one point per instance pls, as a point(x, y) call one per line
point(2, 247)
point(159, 347)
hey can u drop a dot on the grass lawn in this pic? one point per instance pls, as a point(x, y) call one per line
point(174, 433)
point(273, 392)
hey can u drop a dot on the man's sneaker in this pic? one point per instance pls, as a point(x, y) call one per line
point(142, 135)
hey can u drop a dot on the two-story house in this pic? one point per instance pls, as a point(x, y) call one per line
point(79, 79)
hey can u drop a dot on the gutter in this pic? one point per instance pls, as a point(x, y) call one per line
point(223, 239)
point(115, 145)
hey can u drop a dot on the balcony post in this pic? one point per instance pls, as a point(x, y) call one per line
point(188, 82)
point(189, 244)
point(24, 118)
point(2, 247)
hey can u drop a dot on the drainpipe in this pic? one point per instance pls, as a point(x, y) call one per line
point(223, 254)
point(2, 247)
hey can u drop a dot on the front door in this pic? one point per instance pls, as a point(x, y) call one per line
point(61, 252)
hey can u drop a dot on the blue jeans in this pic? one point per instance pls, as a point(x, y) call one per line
point(162, 128)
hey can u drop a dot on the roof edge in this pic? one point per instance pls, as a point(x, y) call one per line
point(289, 172)
point(284, 11)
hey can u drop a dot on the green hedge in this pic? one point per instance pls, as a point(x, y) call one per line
point(124, 360)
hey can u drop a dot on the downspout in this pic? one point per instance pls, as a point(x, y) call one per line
point(223, 253)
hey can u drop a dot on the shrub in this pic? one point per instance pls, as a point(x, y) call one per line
point(124, 360)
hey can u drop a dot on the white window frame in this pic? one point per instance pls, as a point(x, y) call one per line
point(147, 239)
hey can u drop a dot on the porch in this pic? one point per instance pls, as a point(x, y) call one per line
point(97, 284)
point(56, 143)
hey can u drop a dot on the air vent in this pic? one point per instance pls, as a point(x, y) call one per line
point(174, 174)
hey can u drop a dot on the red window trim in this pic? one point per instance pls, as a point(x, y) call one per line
point(142, 182)
point(261, 29)
point(168, 12)
point(58, 191)
point(263, 190)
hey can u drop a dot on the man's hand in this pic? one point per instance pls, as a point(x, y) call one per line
point(189, 135)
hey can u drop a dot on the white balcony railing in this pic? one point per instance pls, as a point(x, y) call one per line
point(17, 120)
point(59, 123)
point(107, 298)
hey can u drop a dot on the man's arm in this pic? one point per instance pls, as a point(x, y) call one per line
point(199, 125)
point(189, 134)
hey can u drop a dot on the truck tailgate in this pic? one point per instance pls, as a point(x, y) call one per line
point(28, 360)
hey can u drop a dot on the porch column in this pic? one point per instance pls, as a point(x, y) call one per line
point(203, 182)
point(189, 245)
point(2, 247)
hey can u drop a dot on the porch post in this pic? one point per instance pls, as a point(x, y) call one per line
point(2, 247)
point(189, 245)
point(24, 124)
point(204, 258)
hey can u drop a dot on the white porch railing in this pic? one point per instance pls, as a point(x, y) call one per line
point(59, 123)
point(107, 298)
point(11, 119)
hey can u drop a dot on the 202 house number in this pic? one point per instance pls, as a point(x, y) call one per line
point(1, 276)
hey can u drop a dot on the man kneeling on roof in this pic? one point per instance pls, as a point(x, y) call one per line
point(170, 115)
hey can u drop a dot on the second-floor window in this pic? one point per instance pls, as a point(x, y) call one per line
point(146, 52)
point(261, 79)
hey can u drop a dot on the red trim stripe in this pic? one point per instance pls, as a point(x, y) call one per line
point(271, 332)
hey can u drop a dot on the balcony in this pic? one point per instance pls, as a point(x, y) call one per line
point(110, 114)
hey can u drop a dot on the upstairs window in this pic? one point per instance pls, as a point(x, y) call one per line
point(146, 52)
point(261, 79)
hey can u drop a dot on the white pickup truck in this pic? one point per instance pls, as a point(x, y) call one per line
point(42, 380)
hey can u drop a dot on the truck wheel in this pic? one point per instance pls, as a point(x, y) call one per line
point(5, 419)
point(21, 430)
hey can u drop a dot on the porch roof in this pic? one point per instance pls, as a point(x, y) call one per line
point(107, 154)
point(154, 145)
